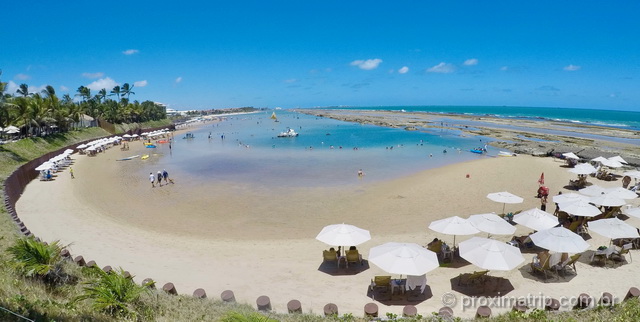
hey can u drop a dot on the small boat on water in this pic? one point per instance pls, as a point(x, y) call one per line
point(290, 133)
point(478, 151)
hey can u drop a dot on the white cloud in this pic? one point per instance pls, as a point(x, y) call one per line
point(504, 68)
point(141, 83)
point(106, 83)
point(130, 51)
point(572, 68)
point(179, 79)
point(443, 67)
point(64, 88)
point(22, 77)
point(37, 89)
point(471, 62)
point(11, 88)
point(368, 64)
point(403, 70)
point(92, 75)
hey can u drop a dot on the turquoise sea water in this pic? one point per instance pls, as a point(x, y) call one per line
point(613, 118)
point(251, 153)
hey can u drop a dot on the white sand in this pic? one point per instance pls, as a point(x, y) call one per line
point(263, 242)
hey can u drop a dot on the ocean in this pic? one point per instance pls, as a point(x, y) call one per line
point(611, 118)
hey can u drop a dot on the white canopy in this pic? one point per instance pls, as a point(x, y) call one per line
point(633, 174)
point(569, 197)
point(453, 226)
point(536, 219)
point(621, 193)
point(618, 159)
point(559, 239)
point(611, 163)
point(613, 228)
point(583, 168)
point(571, 155)
point(492, 224)
point(343, 235)
point(608, 200)
point(635, 212)
point(403, 258)
point(490, 254)
point(579, 208)
point(599, 159)
point(592, 190)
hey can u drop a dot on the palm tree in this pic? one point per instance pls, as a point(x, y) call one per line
point(39, 260)
point(48, 91)
point(102, 95)
point(84, 92)
point(23, 90)
point(127, 90)
point(113, 293)
point(116, 91)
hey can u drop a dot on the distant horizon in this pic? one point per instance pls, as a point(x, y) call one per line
point(302, 54)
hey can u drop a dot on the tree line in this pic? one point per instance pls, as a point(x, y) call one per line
point(34, 113)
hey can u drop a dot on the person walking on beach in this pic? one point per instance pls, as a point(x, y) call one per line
point(543, 203)
point(71, 172)
point(165, 175)
point(160, 178)
point(152, 178)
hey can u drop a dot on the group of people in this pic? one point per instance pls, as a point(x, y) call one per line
point(162, 175)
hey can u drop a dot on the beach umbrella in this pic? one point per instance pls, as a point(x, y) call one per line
point(492, 224)
point(583, 168)
point(343, 234)
point(635, 212)
point(559, 239)
point(611, 163)
point(599, 159)
point(403, 258)
point(453, 226)
point(536, 219)
point(633, 174)
point(579, 208)
point(11, 129)
point(621, 193)
point(608, 200)
point(569, 197)
point(618, 159)
point(613, 228)
point(504, 197)
point(134, 136)
point(126, 135)
point(45, 166)
point(490, 254)
point(571, 155)
point(541, 180)
point(592, 190)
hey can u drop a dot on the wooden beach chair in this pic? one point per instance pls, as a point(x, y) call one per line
point(478, 276)
point(353, 256)
point(330, 256)
point(623, 251)
point(569, 262)
point(541, 267)
point(380, 284)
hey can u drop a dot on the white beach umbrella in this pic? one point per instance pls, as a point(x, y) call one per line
point(504, 197)
point(599, 159)
point(633, 174)
point(68, 151)
point(403, 258)
point(126, 135)
point(492, 224)
point(613, 228)
point(559, 239)
point(453, 226)
point(618, 159)
point(10, 130)
point(92, 148)
point(134, 136)
point(583, 168)
point(81, 146)
point(45, 166)
point(579, 208)
point(621, 193)
point(343, 234)
point(611, 163)
point(635, 212)
point(571, 155)
point(608, 200)
point(491, 254)
point(592, 190)
point(536, 219)
point(569, 197)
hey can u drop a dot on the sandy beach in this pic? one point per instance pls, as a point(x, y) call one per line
point(262, 242)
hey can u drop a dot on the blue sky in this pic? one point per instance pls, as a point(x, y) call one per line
point(583, 54)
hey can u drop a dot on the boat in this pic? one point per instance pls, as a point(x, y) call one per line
point(162, 141)
point(144, 157)
point(128, 158)
point(188, 135)
point(290, 133)
point(273, 116)
point(478, 151)
point(151, 146)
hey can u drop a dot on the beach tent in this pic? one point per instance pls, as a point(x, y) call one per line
point(536, 219)
point(569, 197)
point(403, 258)
point(491, 254)
point(454, 226)
point(505, 197)
point(571, 155)
point(492, 224)
point(579, 208)
point(559, 239)
point(613, 228)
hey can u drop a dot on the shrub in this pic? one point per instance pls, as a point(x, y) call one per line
point(113, 293)
point(39, 260)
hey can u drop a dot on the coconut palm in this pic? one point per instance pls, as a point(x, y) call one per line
point(113, 293)
point(127, 90)
point(102, 95)
point(39, 260)
point(116, 91)
point(84, 92)
point(23, 90)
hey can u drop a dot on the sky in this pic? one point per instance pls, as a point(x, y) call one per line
point(220, 54)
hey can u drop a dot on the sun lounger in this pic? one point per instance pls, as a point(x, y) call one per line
point(380, 283)
point(473, 277)
point(569, 262)
point(353, 256)
point(542, 265)
point(625, 250)
point(330, 256)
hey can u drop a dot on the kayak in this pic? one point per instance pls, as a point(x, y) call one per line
point(144, 157)
point(162, 141)
point(150, 146)
point(128, 158)
point(476, 151)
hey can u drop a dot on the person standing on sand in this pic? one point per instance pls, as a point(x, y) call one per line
point(165, 175)
point(71, 172)
point(152, 178)
point(160, 178)
point(543, 203)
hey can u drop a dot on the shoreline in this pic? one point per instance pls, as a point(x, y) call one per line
point(506, 138)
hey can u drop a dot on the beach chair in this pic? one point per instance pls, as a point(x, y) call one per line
point(330, 256)
point(380, 284)
point(353, 256)
point(542, 266)
point(625, 250)
point(478, 276)
point(574, 226)
point(435, 246)
point(569, 262)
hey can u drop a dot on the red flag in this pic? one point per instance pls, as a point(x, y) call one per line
point(541, 180)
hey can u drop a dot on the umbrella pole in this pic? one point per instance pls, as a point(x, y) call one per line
point(503, 205)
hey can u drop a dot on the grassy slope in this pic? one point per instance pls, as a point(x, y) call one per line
point(32, 299)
